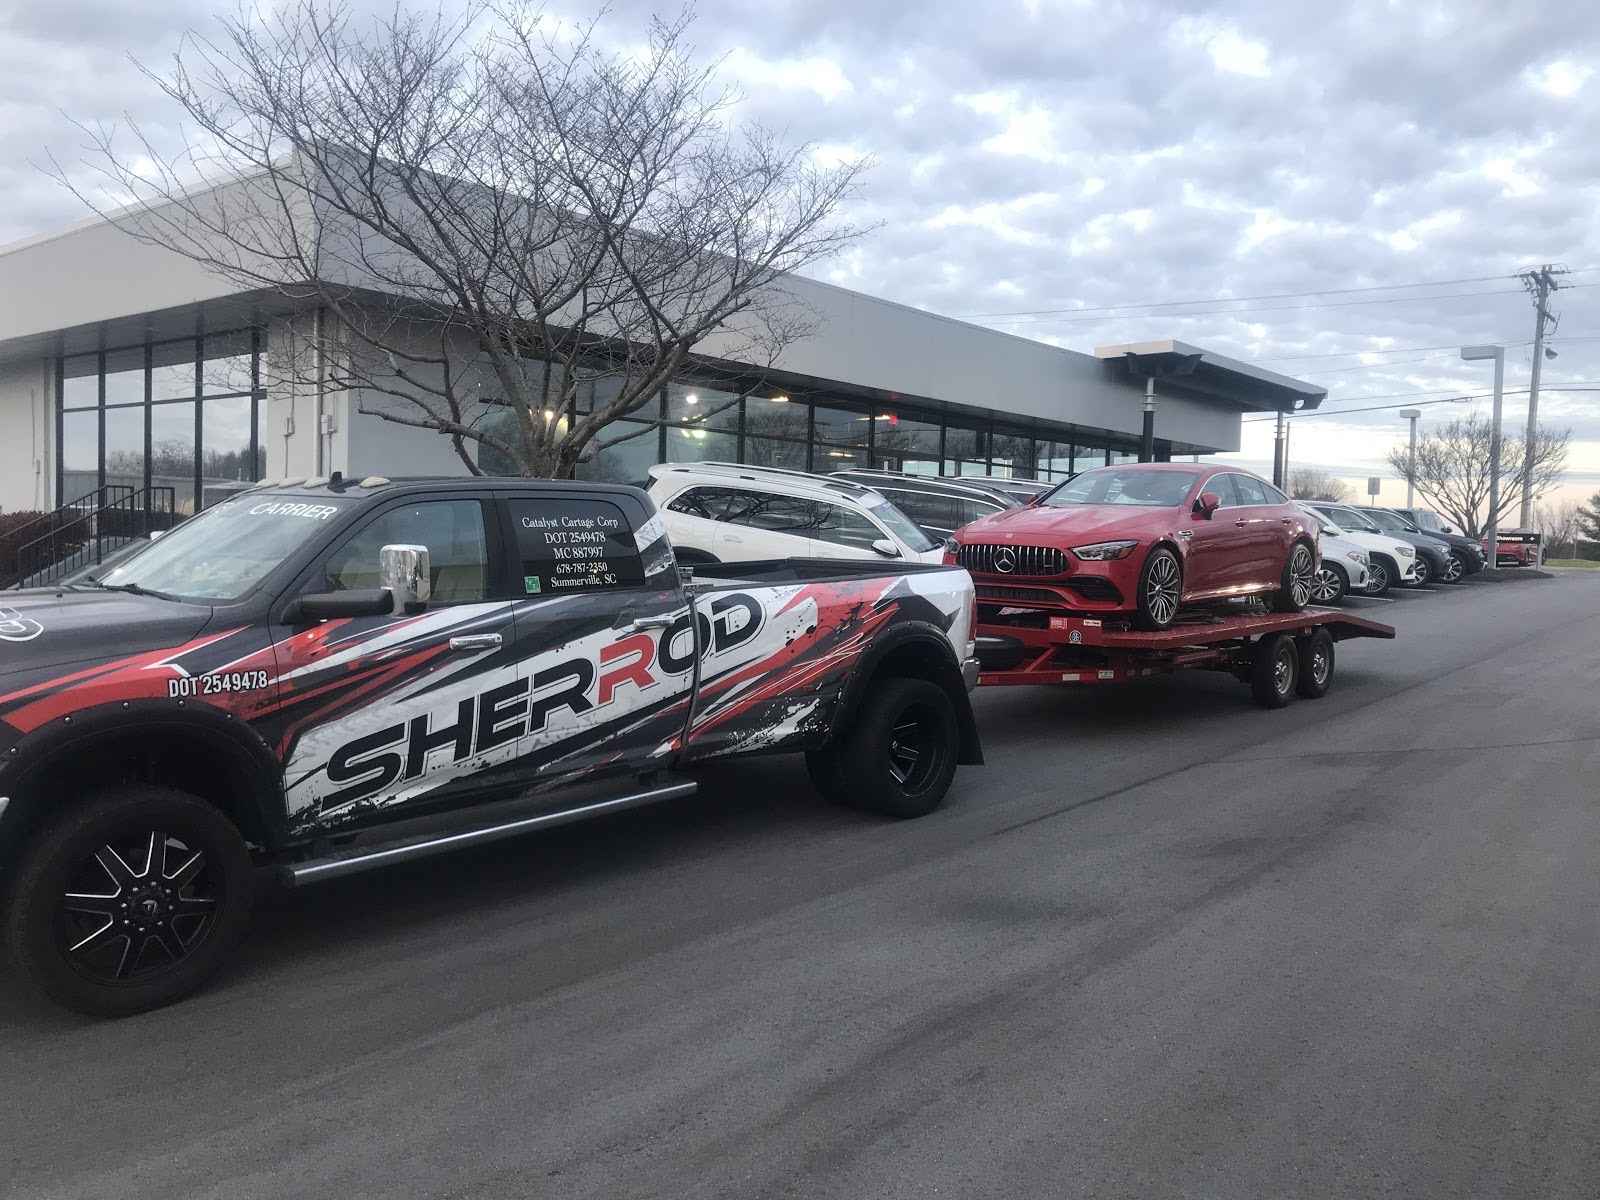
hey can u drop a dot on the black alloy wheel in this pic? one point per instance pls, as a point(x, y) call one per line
point(898, 755)
point(1160, 590)
point(1299, 571)
point(131, 901)
point(1329, 585)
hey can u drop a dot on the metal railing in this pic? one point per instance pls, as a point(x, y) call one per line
point(81, 534)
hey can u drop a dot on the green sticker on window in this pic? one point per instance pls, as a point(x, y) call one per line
point(530, 584)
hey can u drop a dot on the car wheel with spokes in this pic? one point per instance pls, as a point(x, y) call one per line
point(1160, 590)
point(1424, 572)
point(130, 902)
point(1299, 570)
point(1329, 584)
point(1455, 568)
point(1379, 577)
point(899, 754)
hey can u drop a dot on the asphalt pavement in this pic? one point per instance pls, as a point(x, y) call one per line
point(1164, 944)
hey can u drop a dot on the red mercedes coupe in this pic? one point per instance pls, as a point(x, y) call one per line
point(1144, 541)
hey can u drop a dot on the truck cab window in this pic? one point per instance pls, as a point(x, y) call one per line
point(453, 532)
point(574, 545)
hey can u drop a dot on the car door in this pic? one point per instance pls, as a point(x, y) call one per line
point(604, 652)
point(381, 711)
point(838, 531)
point(1209, 556)
point(1256, 537)
point(759, 524)
point(1283, 521)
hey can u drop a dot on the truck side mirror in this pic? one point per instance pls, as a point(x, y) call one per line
point(1206, 504)
point(403, 572)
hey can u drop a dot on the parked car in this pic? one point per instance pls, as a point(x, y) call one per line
point(1518, 548)
point(727, 512)
point(1431, 555)
point(1464, 556)
point(1426, 520)
point(321, 678)
point(1142, 541)
point(1390, 561)
point(1344, 566)
point(1025, 490)
point(940, 504)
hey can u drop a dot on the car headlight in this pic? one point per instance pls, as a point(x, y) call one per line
point(1356, 557)
point(1103, 551)
point(1406, 551)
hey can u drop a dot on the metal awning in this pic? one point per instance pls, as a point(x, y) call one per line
point(1188, 370)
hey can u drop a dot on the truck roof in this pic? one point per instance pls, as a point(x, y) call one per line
point(372, 485)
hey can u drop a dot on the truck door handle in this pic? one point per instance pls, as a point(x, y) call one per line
point(475, 641)
point(654, 621)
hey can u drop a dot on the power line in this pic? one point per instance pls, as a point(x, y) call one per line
point(1344, 412)
point(1507, 342)
point(1228, 312)
point(1378, 287)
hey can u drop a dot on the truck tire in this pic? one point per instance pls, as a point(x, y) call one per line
point(1299, 570)
point(1274, 670)
point(899, 754)
point(1315, 674)
point(130, 901)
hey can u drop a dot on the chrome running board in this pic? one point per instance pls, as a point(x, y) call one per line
point(337, 867)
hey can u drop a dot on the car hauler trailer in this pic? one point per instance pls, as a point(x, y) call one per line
point(1280, 655)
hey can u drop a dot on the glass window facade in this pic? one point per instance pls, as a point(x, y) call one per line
point(181, 415)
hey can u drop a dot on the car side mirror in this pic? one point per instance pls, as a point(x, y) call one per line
point(403, 572)
point(1206, 504)
point(886, 548)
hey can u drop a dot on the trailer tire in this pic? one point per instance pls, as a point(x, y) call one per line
point(169, 922)
point(1315, 675)
point(899, 754)
point(1274, 670)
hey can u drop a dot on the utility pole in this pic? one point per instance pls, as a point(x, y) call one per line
point(1277, 452)
point(1411, 414)
point(1540, 283)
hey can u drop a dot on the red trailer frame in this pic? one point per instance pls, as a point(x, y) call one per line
point(1078, 650)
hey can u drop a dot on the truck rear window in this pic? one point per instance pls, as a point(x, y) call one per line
point(574, 545)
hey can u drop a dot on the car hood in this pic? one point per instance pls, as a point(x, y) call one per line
point(1079, 524)
point(61, 627)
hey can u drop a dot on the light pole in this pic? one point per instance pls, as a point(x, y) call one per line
point(1498, 353)
point(1412, 415)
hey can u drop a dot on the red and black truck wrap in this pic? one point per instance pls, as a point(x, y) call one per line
point(257, 664)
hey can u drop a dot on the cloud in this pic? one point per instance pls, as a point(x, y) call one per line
point(1075, 154)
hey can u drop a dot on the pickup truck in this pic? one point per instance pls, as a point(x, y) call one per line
point(321, 676)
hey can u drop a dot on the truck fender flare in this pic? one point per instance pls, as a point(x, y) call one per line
point(928, 646)
point(255, 775)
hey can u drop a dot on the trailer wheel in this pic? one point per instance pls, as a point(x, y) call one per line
point(899, 754)
point(130, 902)
point(1316, 665)
point(1274, 670)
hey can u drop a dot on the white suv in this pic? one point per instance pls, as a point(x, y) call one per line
point(725, 512)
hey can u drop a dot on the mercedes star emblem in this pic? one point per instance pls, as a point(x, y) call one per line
point(1005, 560)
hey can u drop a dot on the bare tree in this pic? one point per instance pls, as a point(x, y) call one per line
point(1559, 522)
point(1306, 483)
point(520, 236)
point(1453, 467)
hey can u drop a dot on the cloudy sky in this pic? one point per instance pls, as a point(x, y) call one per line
point(1342, 192)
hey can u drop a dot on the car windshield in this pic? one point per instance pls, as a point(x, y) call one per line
point(1125, 485)
point(225, 551)
point(902, 526)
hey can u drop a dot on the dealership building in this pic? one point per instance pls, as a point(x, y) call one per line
point(127, 366)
